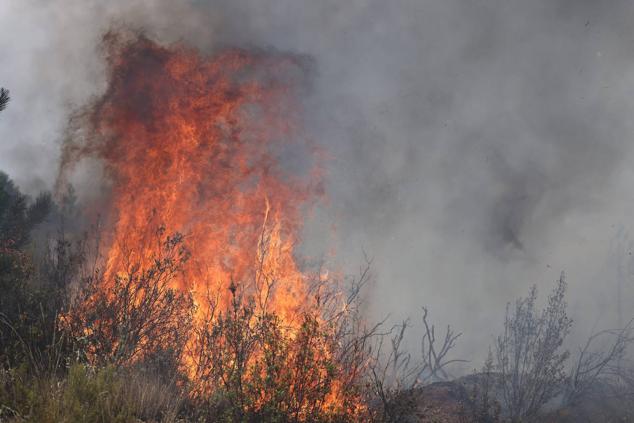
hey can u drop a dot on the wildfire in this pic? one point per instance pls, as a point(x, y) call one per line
point(203, 146)
point(197, 145)
point(194, 143)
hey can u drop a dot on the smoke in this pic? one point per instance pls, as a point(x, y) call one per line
point(476, 147)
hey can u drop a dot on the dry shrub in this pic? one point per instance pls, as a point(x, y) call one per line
point(240, 362)
point(137, 317)
point(529, 354)
point(249, 365)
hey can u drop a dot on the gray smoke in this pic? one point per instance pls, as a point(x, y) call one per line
point(477, 146)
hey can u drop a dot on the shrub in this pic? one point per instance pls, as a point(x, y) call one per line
point(27, 309)
point(250, 366)
point(87, 395)
point(529, 354)
point(139, 317)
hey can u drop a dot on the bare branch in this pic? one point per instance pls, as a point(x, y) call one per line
point(598, 364)
point(435, 360)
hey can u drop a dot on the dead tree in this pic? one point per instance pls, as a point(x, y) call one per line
point(434, 359)
point(395, 375)
point(598, 364)
point(529, 354)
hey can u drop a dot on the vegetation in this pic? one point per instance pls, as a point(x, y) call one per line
point(87, 394)
point(78, 345)
point(4, 98)
point(529, 354)
point(81, 345)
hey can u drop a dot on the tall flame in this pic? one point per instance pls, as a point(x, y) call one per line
point(195, 144)
point(212, 147)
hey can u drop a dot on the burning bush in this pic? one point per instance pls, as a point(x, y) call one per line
point(137, 317)
point(242, 362)
point(222, 310)
point(196, 143)
point(253, 365)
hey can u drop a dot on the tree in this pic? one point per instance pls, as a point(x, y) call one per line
point(25, 315)
point(4, 98)
point(18, 215)
point(435, 360)
point(529, 353)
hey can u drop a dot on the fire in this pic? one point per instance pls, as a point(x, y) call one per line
point(194, 143)
point(202, 146)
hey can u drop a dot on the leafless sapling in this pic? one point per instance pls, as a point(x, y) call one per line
point(434, 356)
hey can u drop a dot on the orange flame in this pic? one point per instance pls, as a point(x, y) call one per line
point(203, 146)
point(194, 144)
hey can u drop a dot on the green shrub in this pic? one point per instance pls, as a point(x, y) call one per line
point(87, 395)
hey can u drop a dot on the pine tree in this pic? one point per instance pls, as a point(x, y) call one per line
point(4, 98)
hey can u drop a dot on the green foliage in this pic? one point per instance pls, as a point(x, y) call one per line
point(86, 395)
point(4, 98)
point(27, 320)
point(18, 216)
point(77, 345)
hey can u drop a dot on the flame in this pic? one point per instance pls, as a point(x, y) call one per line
point(194, 143)
point(197, 144)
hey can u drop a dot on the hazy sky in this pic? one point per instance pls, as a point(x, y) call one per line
point(478, 146)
